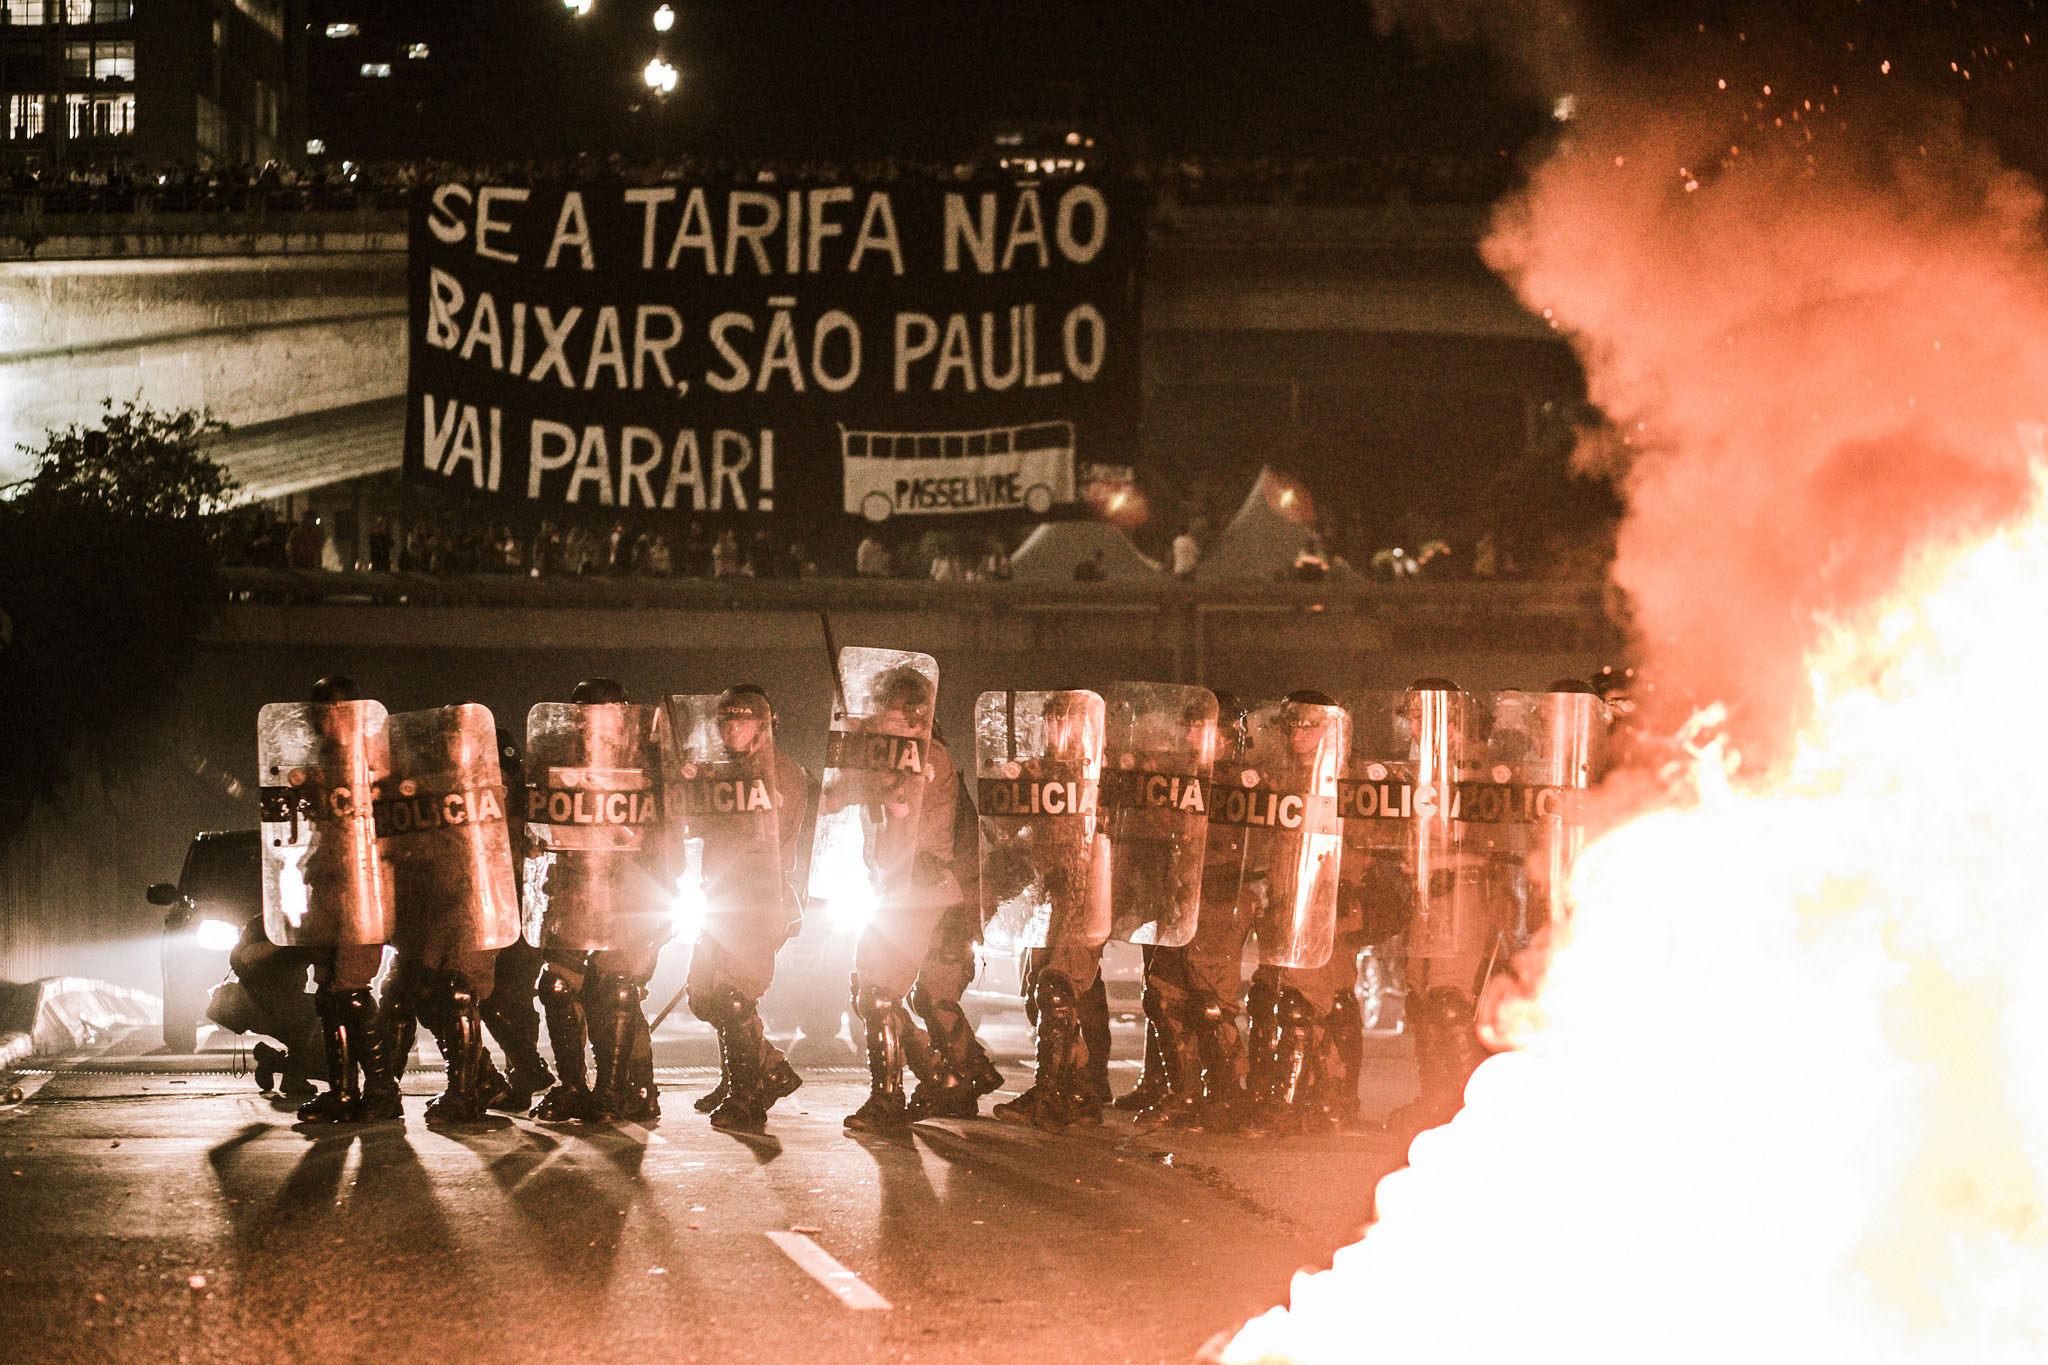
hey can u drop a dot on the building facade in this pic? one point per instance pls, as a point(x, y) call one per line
point(94, 84)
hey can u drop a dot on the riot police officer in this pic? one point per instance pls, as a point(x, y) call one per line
point(325, 886)
point(746, 803)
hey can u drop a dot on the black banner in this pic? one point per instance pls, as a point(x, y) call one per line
point(775, 353)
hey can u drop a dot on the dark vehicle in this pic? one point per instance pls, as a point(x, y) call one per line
point(220, 887)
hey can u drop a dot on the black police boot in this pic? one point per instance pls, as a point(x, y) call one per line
point(1180, 1064)
point(381, 1098)
point(1151, 1086)
point(1060, 1095)
point(1281, 1106)
point(887, 1023)
point(714, 1097)
point(399, 1009)
point(516, 1026)
point(1447, 1051)
point(613, 1009)
point(745, 1075)
point(643, 1096)
point(342, 1101)
point(1221, 1110)
point(1338, 1057)
point(562, 1004)
point(457, 1025)
point(961, 1071)
point(1095, 1037)
point(1261, 1051)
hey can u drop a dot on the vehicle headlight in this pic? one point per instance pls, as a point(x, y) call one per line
point(217, 935)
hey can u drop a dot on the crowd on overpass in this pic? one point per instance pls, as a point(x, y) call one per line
point(1390, 176)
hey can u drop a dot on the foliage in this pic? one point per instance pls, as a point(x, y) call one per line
point(106, 576)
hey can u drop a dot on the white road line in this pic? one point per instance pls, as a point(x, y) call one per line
point(28, 1082)
point(850, 1289)
point(646, 1137)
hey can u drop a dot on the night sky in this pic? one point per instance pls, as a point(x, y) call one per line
point(910, 78)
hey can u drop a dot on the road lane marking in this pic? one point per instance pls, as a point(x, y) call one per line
point(849, 1288)
point(28, 1082)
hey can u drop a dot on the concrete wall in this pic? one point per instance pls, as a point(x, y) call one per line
point(252, 338)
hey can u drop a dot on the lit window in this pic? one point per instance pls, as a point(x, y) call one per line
point(377, 70)
point(342, 30)
point(91, 116)
point(90, 11)
point(416, 52)
point(22, 12)
point(24, 117)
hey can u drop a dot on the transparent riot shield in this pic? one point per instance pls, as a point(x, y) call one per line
point(1567, 736)
point(594, 866)
point(1436, 721)
point(444, 835)
point(1376, 890)
point(864, 844)
point(1044, 860)
point(1160, 742)
point(1286, 799)
point(1225, 919)
point(1497, 821)
point(323, 883)
point(718, 783)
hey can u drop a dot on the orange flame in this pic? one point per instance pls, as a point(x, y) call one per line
point(1784, 1093)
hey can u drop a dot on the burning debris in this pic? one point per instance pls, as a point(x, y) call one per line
point(1781, 1090)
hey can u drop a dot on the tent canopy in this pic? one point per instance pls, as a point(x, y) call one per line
point(1052, 551)
point(1270, 534)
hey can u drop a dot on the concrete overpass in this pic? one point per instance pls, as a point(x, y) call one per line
point(292, 327)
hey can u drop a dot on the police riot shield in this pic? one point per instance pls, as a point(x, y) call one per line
point(1436, 720)
point(1286, 799)
point(323, 882)
point(1521, 799)
point(864, 844)
point(444, 835)
point(594, 864)
point(718, 783)
point(1044, 860)
point(1159, 743)
point(1224, 918)
point(1376, 888)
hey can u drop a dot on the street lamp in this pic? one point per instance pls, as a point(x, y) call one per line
point(664, 19)
point(660, 77)
point(580, 8)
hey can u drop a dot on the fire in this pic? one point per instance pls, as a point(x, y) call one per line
point(1783, 1095)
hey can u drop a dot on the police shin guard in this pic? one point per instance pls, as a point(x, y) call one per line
point(1060, 1095)
point(1179, 1089)
point(1223, 1066)
point(1095, 1037)
point(404, 997)
point(458, 1026)
point(887, 1025)
point(1447, 1051)
point(364, 1030)
point(562, 1004)
point(1261, 1041)
point(516, 1026)
point(1152, 1084)
point(715, 1096)
point(1282, 1083)
point(342, 1101)
point(614, 1015)
point(1339, 1055)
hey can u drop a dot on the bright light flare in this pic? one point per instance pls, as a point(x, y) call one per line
point(852, 912)
point(688, 908)
point(217, 936)
point(660, 76)
point(664, 19)
point(1784, 1092)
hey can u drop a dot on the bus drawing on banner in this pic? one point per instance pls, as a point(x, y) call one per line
point(923, 473)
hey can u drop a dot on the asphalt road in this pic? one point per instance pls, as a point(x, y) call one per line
point(161, 1209)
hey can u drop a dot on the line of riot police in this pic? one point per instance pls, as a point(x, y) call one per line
point(1161, 815)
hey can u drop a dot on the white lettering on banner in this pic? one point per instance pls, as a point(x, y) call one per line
point(444, 302)
point(805, 221)
point(486, 199)
point(975, 231)
point(742, 475)
point(754, 234)
point(607, 350)
point(572, 228)
point(783, 354)
point(442, 220)
point(554, 336)
point(483, 329)
point(1084, 344)
point(458, 437)
point(647, 347)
